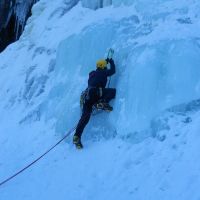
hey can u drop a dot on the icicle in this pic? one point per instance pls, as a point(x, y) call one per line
point(14, 14)
point(95, 4)
point(21, 10)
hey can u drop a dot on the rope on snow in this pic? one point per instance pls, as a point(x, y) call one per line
point(33, 162)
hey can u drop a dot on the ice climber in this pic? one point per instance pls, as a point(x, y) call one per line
point(96, 95)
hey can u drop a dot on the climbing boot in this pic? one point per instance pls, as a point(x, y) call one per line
point(77, 142)
point(104, 106)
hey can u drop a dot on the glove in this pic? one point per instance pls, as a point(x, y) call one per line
point(107, 60)
point(111, 61)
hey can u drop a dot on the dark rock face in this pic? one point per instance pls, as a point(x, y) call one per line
point(13, 16)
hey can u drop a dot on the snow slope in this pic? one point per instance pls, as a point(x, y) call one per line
point(147, 148)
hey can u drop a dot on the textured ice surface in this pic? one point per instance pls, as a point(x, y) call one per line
point(157, 49)
point(95, 4)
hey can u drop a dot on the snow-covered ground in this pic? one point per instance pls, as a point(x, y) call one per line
point(147, 148)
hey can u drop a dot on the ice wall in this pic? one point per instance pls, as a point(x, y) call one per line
point(157, 49)
point(155, 62)
point(95, 4)
point(151, 75)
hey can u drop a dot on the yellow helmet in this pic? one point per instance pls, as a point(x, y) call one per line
point(101, 64)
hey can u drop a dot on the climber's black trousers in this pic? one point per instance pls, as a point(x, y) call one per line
point(107, 95)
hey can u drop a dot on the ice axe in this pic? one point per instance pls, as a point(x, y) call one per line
point(109, 56)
